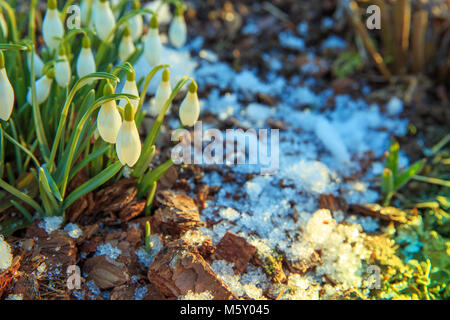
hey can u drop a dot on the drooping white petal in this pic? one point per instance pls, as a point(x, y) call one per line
point(189, 109)
point(85, 62)
point(162, 95)
point(38, 64)
point(153, 47)
point(7, 96)
point(63, 72)
point(43, 86)
point(136, 25)
point(52, 28)
point(128, 144)
point(104, 20)
point(126, 48)
point(84, 11)
point(178, 32)
point(130, 87)
point(109, 122)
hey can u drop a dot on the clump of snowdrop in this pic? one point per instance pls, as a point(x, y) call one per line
point(126, 47)
point(86, 61)
point(52, 26)
point(128, 144)
point(43, 86)
point(63, 72)
point(162, 94)
point(6, 92)
point(5, 254)
point(152, 45)
point(104, 20)
point(177, 29)
point(109, 120)
point(190, 107)
point(130, 87)
point(136, 23)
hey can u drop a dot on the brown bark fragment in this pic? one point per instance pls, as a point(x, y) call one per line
point(105, 272)
point(179, 267)
point(236, 250)
point(305, 265)
point(332, 203)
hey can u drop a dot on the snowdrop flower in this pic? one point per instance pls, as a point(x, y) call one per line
point(38, 64)
point(108, 119)
point(84, 11)
point(126, 47)
point(136, 23)
point(190, 107)
point(52, 26)
point(6, 92)
point(5, 254)
point(162, 94)
point(43, 86)
point(3, 25)
point(178, 30)
point(86, 61)
point(130, 87)
point(152, 45)
point(128, 144)
point(104, 20)
point(63, 72)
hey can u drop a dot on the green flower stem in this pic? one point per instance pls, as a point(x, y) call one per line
point(144, 90)
point(78, 85)
point(25, 150)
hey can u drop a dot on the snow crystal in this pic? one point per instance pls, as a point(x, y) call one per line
point(206, 295)
point(291, 41)
point(302, 28)
point(146, 258)
point(73, 230)
point(108, 250)
point(333, 42)
point(5, 254)
point(395, 106)
point(51, 224)
point(140, 293)
point(18, 296)
point(330, 138)
point(250, 28)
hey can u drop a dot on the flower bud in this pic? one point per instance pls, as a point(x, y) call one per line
point(38, 64)
point(162, 94)
point(190, 107)
point(52, 26)
point(152, 45)
point(109, 119)
point(3, 25)
point(178, 30)
point(63, 72)
point(128, 144)
point(104, 20)
point(136, 23)
point(86, 61)
point(126, 47)
point(130, 87)
point(6, 92)
point(43, 86)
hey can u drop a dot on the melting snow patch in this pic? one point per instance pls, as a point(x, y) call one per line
point(291, 41)
point(5, 254)
point(50, 224)
point(73, 230)
point(108, 250)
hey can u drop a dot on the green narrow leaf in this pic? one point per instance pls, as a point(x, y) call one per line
point(12, 46)
point(387, 182)
point(93, 183)
point(87, 160)
point(407, 175)
point(391, 161)
point(20, 195)
point(150, 197)
point(153, 176)
point(51, 183)
point(22, 210)
point(147, 158)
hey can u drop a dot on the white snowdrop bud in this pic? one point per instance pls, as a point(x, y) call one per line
point(3, 25)
point(43, 86)
point(6, 92)
point(109, 119)
point(104, 20)
point(152, 45)
point(52, 26)
point(63, 72)
point(86, 61)
point(126, 47)
point(178, 30)
point(136, 23)
point(130, 87)
point(84, 11)
point(5, 255)
point(38, 64)
point(190, 107)
point(128, 144)
point(162, 94)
